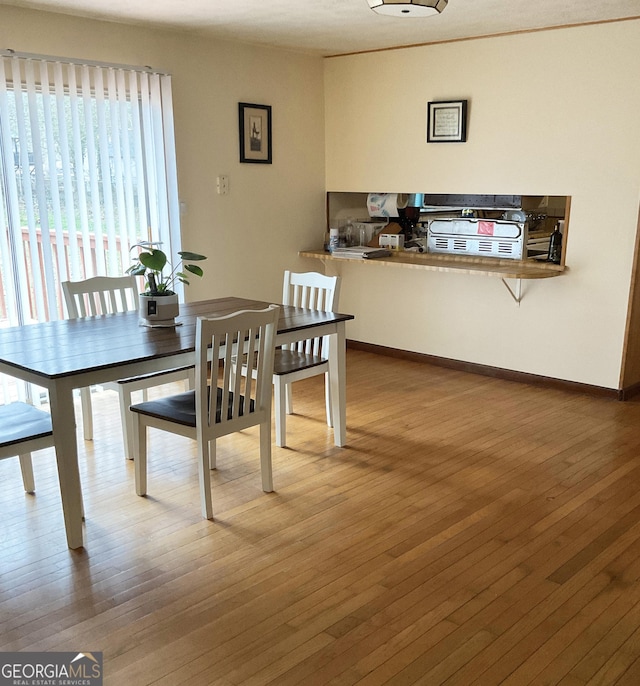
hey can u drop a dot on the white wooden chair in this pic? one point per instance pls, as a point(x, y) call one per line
point(108, 294)
point(23, 430)
point(307, 358)
point(224, 405)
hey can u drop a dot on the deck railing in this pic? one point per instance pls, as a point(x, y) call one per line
point(10, 388)
point(61, 254)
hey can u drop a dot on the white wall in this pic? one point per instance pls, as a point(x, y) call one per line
point(551, 113)
point(272, 211)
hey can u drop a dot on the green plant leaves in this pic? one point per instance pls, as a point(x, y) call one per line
point(192, 256)
point(154, 259)
point(194, 269)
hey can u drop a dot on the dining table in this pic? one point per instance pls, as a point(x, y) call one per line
point(63, 355)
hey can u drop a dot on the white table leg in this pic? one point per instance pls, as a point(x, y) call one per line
point(64, 433)
point(338, 383)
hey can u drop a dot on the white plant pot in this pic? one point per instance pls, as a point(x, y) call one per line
point(158, 310)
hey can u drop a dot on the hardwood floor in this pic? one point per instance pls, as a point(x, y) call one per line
point(474, 531)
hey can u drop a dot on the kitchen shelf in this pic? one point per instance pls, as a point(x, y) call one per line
point(479, 266)
point(482, 266)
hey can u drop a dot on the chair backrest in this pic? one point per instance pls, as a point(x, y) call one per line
point(100, 295)
point(312, 291)
point(242, 401)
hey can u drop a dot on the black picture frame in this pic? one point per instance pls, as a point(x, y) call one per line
point(447, 121)
point(255, 133)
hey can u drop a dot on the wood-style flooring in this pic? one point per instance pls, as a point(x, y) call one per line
point(474, 531)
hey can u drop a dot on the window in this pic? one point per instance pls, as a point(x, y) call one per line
point(87, 169)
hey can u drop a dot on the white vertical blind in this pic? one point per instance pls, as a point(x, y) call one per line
point(87, 169)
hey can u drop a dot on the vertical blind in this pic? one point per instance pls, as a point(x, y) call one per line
point(87, 169)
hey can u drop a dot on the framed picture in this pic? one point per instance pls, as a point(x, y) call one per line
point(255, 133)
point(447, 121)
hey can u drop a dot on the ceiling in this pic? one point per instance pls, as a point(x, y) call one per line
point(332, 27)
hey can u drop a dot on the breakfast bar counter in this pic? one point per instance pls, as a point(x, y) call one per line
point(482, 266)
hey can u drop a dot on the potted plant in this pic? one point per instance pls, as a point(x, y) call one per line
point(159, 302)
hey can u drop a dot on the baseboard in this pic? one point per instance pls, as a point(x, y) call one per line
point(629, 392)
point(497, 372)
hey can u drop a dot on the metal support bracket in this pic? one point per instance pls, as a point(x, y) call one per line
point(517, 294)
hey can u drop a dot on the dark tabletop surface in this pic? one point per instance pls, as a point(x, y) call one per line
point(65, 347)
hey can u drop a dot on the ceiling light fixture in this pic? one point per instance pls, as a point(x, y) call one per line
point(407, 8)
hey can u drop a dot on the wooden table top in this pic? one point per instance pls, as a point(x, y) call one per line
point(67, 347)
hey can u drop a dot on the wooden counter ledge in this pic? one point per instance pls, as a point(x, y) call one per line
point(483, 266)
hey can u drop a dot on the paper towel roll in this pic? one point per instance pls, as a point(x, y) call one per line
point(386, 204)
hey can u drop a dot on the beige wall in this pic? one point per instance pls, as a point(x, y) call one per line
point(551, 113)
point(272, 211)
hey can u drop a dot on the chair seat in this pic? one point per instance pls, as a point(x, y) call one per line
point(153, 375)
point(181, 408)
point(289, 361)
point(20, 421)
